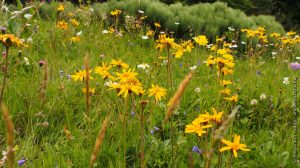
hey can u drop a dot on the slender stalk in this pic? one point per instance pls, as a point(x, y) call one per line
point(124, 130)
point(230, 160)
point(142, 135)
point(5, 73)
point(220, 156)
point(87, 85)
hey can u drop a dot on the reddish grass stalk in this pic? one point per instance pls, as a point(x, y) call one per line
point(10, 135)
point(99, 141)
point(87, 85)
point(5, 73)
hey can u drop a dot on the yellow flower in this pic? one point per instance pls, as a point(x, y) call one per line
point(197, 127)
point(75, 39)
point(225, 83)
point(179, 53)
point(116, 12)
point(62, 25)
point(291, 33)
point(210, 61)
point(74, 22)
point(234, 146)
point(156, 24)
point(215, 117)
point(119, 63)
point(9, 40)
point(226, 71)
point(150, 33)
point(60, 8)
point(157, 92)
point(201, 40)
point(81, 75)
point(275, 35)
point(233, 98)
point(225, 91)
point(126, 75)
point(91, 90)
point(126, 89)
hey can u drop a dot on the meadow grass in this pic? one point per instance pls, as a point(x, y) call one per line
point(54, 130)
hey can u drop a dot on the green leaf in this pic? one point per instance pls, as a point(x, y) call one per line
point(19, 5)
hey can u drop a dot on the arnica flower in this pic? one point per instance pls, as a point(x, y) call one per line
point(62, 25)
point(225, 91)
point(127, 88)
point(119, 64)
point(197, 126)
point(295, 66)
point(60, 8)
point(291, 33)
point(215, 117)
point(126, 76)
point(81, 75)
point(9, 40)
point(74, 22)
point(201, 40)
point(234, 146)
point(232, 99)
point(91, 90)
point(75, 39)
point(116, 12)
point(156, 24)
point(225, 82)
point(157, 92)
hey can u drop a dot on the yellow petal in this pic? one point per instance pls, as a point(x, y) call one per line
point(225, 148)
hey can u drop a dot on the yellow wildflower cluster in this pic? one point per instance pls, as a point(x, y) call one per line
point(62, 25)
point(204, 121)
point(260, 32)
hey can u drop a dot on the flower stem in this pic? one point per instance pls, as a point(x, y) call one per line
point(5, 73)
point(124, 133)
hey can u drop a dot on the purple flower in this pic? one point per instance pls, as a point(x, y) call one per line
point(41, 63)
point(83, 67)
point(21, 162)
point(156, 128)
point(258, 72)
point(295, 66)
point(197, 150)
point(152, 131)
point(132, 113)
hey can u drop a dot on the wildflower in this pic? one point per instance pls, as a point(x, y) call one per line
point(253, 102)
point(233, 98)
point(291, 33)
point(156, 24)
point(295, 66)
point(60, 8)
point(275, 35)
point(143, 66)
point(150, 33)
point(26, 60)
point(132, 113)
point(91, 90)
point(140, 11)
point(286, 80)
point(197, 127)
point(234, 146)
point(119, 64)
point(62, 25)
point(81, 75)
point(74, 22)
point(21, 162)
point(215, 117)
point(127, 88)
point(225, 83)
point(9, 40)
point(157, 92)
point(126, 75)
point(197, 150)
point(262, 96)
point(75, 39)
point(116, 12)
point(225, 91)
point(201, 40)
point(197, 90)
point(193, 67)
point(145, 37)
point(105, 31)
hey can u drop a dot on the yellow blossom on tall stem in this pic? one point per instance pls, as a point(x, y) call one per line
point(62, 25)
point(234, 146)
point(119, 64)
point(81, 75)
point(197, 126)
point(157, 92)
point(9, 40)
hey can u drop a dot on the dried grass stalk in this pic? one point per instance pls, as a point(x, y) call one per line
point(176, 98)
point(87, 84)
point(99, 141)
point(10, 135)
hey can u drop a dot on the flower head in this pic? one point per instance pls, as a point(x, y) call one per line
point(157, 92)
point(9, 40)
point(234, 146)
point(201, 40)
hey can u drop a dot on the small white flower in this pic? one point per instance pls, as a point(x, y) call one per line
point(243, 42)
point(193, 67)
point(259, 45)
point(79, 33)
point(231, 29)
point(271, 44)
point(177, 23)
point(297, 58)
point(262, 96)
point(197, 90)
point(143, 66)
point(27, 16)
point(104, 31)
point(140, 11)
point(209, 46)
point(162, 32)
point(91, 9)
point(29, 40)
point(233, 46)
point(145, 37)
point(286, 80)
point(26, 60)
point(253, 102)
point(274, 53)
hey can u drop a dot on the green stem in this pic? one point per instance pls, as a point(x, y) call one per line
point(124, 133)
